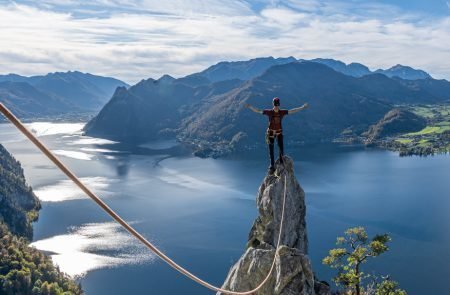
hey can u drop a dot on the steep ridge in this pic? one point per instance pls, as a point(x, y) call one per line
point(23, 269)
point(151, 108)
point(19, 206)
point(293, 272)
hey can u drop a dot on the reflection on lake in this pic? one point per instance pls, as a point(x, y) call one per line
point(75, 252)
point(65, 190)
point(48, 128)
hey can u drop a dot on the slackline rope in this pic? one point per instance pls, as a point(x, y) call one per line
point(10, 116)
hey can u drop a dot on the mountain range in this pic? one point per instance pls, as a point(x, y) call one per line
point(73, 92)
point(56, 93)
point(207, 108)
point(246, 70)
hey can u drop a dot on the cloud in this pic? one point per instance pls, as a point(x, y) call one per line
point(133, 40)
point(177, 7)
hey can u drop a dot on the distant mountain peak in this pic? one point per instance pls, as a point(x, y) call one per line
point(166, 79)
point(401, 67)
point(148, 80)
point(352, 69)
point(404, 72)
point(398, 66)
point(120, 90)
point(11, 77)
point(242, 70)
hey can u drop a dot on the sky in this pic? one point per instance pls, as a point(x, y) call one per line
point(135, 40)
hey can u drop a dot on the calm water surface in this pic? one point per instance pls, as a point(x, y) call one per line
point(199, 211)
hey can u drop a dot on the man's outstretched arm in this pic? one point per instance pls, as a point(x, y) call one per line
point(295, 110)
point(253, 108)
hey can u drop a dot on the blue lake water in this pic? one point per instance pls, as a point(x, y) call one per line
point(199, 211)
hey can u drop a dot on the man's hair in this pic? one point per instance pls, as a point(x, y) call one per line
point(276, 101)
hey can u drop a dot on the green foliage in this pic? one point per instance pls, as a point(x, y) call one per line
point(26, 271)
point(388, 287)
point(354, 248)
point(433, 139)
point(18, 205)
point(430, 130)
point(403, 140)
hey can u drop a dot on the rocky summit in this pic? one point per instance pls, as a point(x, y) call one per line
point(292, 273)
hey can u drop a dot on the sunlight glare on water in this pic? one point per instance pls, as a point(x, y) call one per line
point(65, 190)
point(76, 252)
point(48, 128)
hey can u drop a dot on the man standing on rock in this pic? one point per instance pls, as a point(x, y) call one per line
point(275, 129)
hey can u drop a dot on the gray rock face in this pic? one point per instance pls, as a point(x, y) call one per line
point(270, 205)
point(292, 273)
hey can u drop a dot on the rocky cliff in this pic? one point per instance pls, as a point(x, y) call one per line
point(18, 204)
point(23, 269)
point(293, 273)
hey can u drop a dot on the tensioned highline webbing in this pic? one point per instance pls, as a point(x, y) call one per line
point(10, 116)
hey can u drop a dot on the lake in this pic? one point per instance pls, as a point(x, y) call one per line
point(199, 211)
